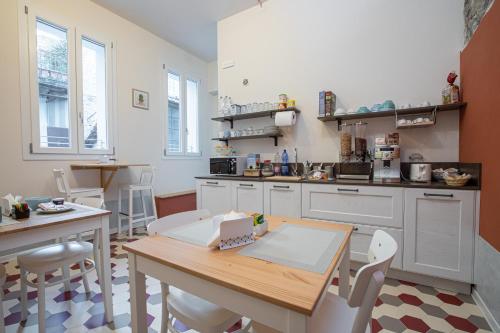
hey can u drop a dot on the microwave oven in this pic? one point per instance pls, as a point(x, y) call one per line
point(227, 166)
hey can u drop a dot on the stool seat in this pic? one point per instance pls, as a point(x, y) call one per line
point(199, 314)
point(53, 256)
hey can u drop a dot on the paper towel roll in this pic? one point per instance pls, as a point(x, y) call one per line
point(285, 118)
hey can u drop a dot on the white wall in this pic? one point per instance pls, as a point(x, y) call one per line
point(139, 60)
point(364, 51)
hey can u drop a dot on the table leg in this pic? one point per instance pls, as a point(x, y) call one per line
point(137, 281)
point(105, 273)
point(344, 268)
point(296, 323)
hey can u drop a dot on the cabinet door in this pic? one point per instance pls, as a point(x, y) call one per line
point(371, 205)
point(282, 199)
point(247, 196)
point(362, 237)
point(214, 195)
point(439, 233)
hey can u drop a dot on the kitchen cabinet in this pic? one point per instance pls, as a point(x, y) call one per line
point(439, 233)
point(247, 196)
point(369, 205)
point(282, 199)
point(214, 195)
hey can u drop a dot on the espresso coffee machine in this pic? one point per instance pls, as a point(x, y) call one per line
point(387, 164)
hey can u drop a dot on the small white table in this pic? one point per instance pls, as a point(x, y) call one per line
point(40, 228)
point(278, 296)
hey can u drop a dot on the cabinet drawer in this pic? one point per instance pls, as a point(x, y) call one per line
point(371, 205)
point(214, 195)
point(360, 242)
point(282, 199)
point(247, 196)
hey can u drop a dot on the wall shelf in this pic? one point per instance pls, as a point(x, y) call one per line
point(250, 115)
point(245, 137)
point(411, 111)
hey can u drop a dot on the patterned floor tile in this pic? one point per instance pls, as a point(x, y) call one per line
point(401, 307)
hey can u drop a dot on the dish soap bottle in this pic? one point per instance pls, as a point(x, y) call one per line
point(284, 163)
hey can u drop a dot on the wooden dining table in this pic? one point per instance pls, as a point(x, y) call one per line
point(110, 168)
point(40, 228)
point(278, 296)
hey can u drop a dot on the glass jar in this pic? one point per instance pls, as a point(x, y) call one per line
point(360, 144)
point(345, 142)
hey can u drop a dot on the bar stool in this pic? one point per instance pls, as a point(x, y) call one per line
point(3, 275)
point(48, 259)
point(145, 184)
point(72, 193)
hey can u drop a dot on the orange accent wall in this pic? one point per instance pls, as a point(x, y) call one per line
point(480, 121)
point(175, 204)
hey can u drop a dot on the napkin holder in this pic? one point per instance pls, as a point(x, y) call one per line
point(235, 233)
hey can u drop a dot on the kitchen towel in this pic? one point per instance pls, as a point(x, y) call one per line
point(285, 118)
point(308, 248)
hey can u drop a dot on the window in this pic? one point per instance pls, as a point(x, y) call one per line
point(69, 82)
point(182, 116)
point(174, 114)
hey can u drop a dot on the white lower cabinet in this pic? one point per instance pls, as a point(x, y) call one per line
point(439, 233)
point(247, 196)
point(282, 199)
point(371, 205)
point(214, 195)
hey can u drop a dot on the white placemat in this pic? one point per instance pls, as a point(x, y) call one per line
point(308, 248)
point(198, 233)
point(7, 221)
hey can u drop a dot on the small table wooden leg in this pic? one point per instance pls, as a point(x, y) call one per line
point(105, 270)
point(344, 271)
point(105, 182)
point(138, 305)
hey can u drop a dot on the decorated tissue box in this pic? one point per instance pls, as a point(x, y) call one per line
point(232, 230)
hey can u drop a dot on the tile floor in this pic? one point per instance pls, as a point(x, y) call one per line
point(401, 307)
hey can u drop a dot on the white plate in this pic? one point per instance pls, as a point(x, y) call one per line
point(54, 211)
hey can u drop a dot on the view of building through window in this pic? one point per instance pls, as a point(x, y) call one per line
point(52, 59)
point(174, 114)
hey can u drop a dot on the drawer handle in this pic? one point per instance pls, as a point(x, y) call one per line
point(438, 195)
point(281, 186)
point(247, 185)
point(348, 190)
point(213, 183)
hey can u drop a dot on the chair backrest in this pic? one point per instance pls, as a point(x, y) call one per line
point(147, 174)
point(91, 202)
point(61, 181)
point(370, 278)
point(175, 220)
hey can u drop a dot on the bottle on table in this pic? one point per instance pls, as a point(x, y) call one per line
point(284, 163)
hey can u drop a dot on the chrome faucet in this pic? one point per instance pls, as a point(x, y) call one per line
point(295, 169)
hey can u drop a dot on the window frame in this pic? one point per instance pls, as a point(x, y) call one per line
point(183, 109)
point(28, 62)
point(108, 47)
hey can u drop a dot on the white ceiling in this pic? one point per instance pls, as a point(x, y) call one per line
point(189, 24)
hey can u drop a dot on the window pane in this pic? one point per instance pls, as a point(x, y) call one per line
point(95, 129)
point(174, 114)
point(52, 63)
point(192, 144)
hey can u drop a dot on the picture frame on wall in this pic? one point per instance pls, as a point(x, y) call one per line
point(140, 99)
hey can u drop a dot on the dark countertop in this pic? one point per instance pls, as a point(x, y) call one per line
point(407, 184)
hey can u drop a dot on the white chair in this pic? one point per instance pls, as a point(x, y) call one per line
point(195, 312)
point(3, 276)
point(145, 184)
point(353, 315)
point(48, 259)
point(71, 194)
point(95, 203)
